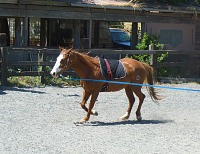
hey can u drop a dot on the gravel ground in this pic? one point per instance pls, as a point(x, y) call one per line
point(41, 121)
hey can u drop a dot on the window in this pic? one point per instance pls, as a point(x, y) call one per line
point(171, 36)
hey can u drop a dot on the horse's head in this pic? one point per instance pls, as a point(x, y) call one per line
point(63, 62)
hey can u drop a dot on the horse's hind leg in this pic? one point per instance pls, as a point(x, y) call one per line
point(141, 96)
point(86, 96)
point(131, 98)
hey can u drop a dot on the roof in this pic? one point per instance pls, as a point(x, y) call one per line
point(146, 5)
point(105, 10)
point(156, 5)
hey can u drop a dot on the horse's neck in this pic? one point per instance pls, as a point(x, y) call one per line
point(84, 66)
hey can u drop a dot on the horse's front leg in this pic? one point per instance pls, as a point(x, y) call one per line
point(91, 105)
point(86, 96)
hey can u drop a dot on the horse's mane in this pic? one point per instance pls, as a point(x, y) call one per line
point(87, 59)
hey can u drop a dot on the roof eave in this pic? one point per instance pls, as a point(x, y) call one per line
point(135, 8)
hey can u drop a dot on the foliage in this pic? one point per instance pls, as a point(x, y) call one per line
point(24, 81)
point(161, 57)
point(143, 58)
point(149, 40)
point(162, 71)
point(49, 2)
point(144, 45)
point(29, 81)
point(116, 24)
point(197, 1)
point(61, 82)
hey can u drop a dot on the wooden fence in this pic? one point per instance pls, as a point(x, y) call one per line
point(30, 59)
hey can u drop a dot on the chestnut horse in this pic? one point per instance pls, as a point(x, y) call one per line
point(88, 67)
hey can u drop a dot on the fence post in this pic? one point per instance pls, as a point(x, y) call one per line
point(44, 59)
point(3, 59)
point(153, 63)
point(4, 75)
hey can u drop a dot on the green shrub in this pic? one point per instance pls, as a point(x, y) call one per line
point(24, 81)
point(149, 40)
point(144, 45)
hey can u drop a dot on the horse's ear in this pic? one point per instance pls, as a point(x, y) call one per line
point(69, 50)
point(61, 48)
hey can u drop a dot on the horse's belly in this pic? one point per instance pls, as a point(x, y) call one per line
point(115, 87)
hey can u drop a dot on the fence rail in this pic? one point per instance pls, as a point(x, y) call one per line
point(43, 57)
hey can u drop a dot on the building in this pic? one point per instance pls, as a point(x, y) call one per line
point(83, 22)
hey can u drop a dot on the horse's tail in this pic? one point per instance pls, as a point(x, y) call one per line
point(150, 79)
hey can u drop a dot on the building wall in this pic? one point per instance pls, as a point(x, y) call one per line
point(174, 36)
point(197, 36)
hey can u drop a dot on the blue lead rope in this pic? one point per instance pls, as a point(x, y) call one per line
point(131, 83)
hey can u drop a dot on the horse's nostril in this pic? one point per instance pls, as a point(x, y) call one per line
point(53, 73)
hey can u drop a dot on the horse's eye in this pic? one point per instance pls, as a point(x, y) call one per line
point(62, 61)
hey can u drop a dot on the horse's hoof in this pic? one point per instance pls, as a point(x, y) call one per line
point(84, 120)
point(139, 118)
point(95, 113)
point(124, 117)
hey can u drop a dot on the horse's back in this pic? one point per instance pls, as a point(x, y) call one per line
point(134, 63)
point(134, 69)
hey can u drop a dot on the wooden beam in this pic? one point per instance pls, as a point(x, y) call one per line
point(163, 19)
point(43, 29)
point(134, 35)
point(44, 2)
point(25, 34)
point(143, 29)
point(9, 2)
point(111, 17)
point(30, 63)
point(4, 28)
point(18, 12)
point(90, 34)
point(141, 18)
point(3, 39)
point(18, 30)
point(96, 34)
point(4, 71)
point(49, 31)
point(6, 12)
point(77, 40)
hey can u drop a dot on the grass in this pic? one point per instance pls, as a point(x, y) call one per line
point(29, 81)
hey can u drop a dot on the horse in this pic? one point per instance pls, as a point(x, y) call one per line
point(87, 67)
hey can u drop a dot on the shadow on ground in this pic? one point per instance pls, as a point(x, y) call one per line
point(4, 89)
point(129, 122)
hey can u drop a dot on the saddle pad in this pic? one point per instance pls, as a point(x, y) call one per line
point(117, 68)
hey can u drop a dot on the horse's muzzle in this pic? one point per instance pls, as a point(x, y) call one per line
point(54, 74)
